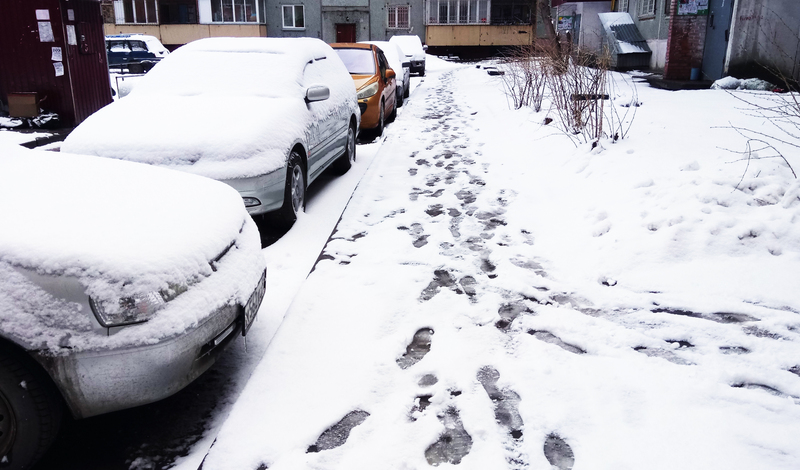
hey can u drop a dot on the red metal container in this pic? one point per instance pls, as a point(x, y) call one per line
point(56, 49)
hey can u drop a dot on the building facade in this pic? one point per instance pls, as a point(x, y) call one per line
point(176, 22)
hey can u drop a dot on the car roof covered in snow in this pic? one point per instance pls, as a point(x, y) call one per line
point(221, 107)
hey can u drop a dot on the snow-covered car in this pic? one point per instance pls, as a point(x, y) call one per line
point(137, 53)
point(414, 50)
point(400, 65)
point(113, 293)
point(265, 115)
point(375, 82)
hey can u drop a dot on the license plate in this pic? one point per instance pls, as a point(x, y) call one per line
point(251, 309)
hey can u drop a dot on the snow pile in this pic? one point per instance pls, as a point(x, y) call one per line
point(731, 83)
point(118, 229)
point(495, 297)
point(222, 108)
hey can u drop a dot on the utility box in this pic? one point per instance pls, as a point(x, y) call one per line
point(23, 105)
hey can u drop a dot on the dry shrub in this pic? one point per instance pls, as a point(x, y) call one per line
point(524, 78)
point(577, 81)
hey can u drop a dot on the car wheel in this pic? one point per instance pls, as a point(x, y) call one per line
point(343, 163)
point(294, 196)
point(407, 91)
point(30, 412)
point(400, 95)
point(422, 71)
point(381, 123)
point(393, 114)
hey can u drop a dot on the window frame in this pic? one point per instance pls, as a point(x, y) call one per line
point(646, 9)
point(237, 7)
point(437, 10)
point(621, 8)
point(396, 9)
point(121, 16)
point(293, 26)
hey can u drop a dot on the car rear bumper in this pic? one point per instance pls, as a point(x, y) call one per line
point(267, 189)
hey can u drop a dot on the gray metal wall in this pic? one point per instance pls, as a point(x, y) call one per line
point(765, 32)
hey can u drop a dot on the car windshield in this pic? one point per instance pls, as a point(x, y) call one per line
point(224, 73)
point(358, 61)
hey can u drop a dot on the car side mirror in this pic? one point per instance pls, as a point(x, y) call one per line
point(317, 93)
point(406, 64)
point(390, 74)
point(425, 48)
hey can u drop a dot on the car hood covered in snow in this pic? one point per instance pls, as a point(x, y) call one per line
point(223, 108)
point(82, 215)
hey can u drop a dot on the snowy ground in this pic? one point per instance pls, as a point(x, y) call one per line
point(495, 297)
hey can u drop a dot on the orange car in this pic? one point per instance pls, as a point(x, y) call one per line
point(375, 82)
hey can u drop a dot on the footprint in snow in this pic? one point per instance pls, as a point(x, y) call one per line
point(558, 452)
point(453, 444)
point(548, 337)
point(420, 346)
point(337, 434)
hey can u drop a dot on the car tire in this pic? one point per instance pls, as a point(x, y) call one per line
point(400, 97)
point(346, 160)
point(393, 115)
point(30, 411)
point(407, 91)
point(381, 120)
point(422, 71)
point(294, 195)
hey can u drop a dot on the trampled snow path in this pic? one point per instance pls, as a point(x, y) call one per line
point(431, 333)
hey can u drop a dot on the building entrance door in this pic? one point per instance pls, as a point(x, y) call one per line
point(717, 36)
point(345, 32)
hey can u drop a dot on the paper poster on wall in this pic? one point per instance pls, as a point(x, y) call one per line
point(71, 15)
point(43, 15)
point(72, 40)
point(56, 56)
point(564, 23)
point(46, 32)
point(692, 7)
point(59, 67)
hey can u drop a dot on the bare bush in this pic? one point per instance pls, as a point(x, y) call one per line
point(577, 84)
point(524, 78)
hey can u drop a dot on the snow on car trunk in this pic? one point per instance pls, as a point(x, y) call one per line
point(120, 228)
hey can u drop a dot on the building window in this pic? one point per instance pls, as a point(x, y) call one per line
point(177, 11)
point(458, 11)
point(398, 16)
point(647, 8)
point(234, 11)
point(135, 11)
point(508, 12)
point(294, 17)
point(622, 5)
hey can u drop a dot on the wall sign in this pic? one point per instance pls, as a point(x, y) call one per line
point(46, 32)
point(692, 7)
point(565, 23)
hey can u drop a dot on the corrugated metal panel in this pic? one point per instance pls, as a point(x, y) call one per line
point(29, 60)
point(630, 33)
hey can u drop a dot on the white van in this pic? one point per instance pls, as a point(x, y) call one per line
point(414, 51)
